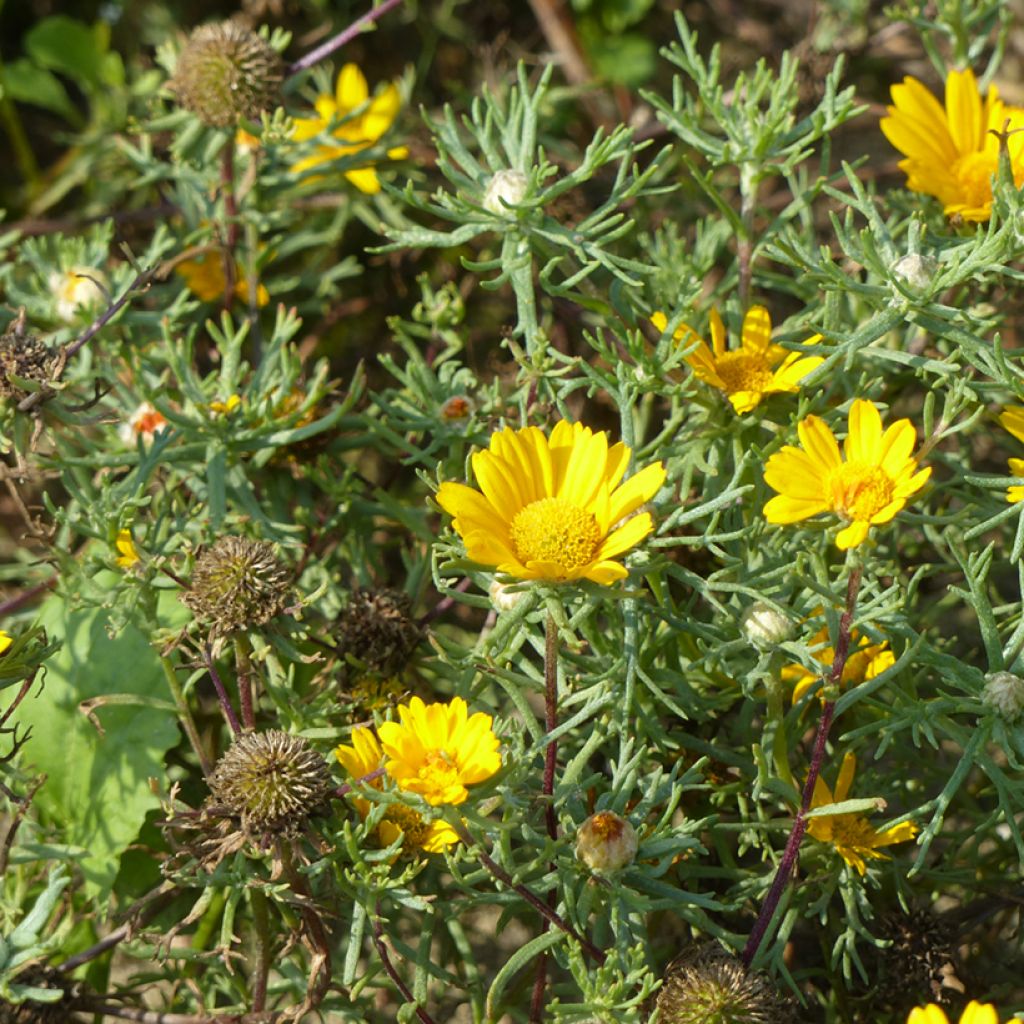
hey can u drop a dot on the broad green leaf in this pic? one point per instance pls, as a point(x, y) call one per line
point(67, 45)
point(97, 786)
point(28, 83)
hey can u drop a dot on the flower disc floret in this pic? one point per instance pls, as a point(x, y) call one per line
point(437, 750)
point(553, 508)
point(751, 372)
point(866, 488)
point(952, 152)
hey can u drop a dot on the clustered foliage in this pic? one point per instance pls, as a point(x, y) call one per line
point(455, 564)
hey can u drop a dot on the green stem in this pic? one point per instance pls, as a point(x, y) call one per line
point(23, 155)
point(777, 718)
point(261, 948)
point(243, 672)
point(187, 721)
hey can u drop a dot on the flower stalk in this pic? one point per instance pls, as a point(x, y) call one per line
point(222, 696)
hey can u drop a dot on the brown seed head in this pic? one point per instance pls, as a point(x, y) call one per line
point(376, 630)
point(24, 356)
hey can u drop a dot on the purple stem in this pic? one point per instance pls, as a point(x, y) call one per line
point(222, 696)
point(789, 854)
point(338, 41)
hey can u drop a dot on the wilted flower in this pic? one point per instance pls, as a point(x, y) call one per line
point(146, 422)
point(227, 72)
point(354, 121)
point(606, 842)
point(852, 835)
point(273, 781)
point(550, 507)
point(867, 489)
point(437, 750)
point(953, 153)
point(205, 278)
point(377, 629)
point(237, 583)
point(364, 757)
point(77, 289)
point(746, 374)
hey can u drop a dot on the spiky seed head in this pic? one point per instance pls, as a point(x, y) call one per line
point(707, 985)
point(226, 72)
point(272, 780)
point(377, 630)
point(237, 583)
point(25, 356)
point(606, 842)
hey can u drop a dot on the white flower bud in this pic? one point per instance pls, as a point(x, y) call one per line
point(1004, 693)
point(503, 597)
point(606, 842)
point(509, 186)
point(765, 626)
point(915, 270)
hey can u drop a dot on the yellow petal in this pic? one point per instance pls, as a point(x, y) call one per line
point(783, 510)
point(845, 780)
point(864, 440)
point(351, 90)
point(854, 535)
point(978, 1013)
point(930, 1014)
point(819, 442)
point(717, 333)
point(640, 487)
point(1012, 419)
point(757, 330)
point(963, 110)
point(365, 179)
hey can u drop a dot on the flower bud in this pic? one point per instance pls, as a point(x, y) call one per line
point(1004, 693)
point(765, 626)
point(455, 408)
point(78, 288)
point(236, 584)
point(272, 780)
point(503, 597)
point(505, 187)
point(915, 270)
point(606, 842)
point(227, 72)
point(707, 985)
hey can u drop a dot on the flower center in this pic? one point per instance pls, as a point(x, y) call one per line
point(741, 371)
point(414, 829)
point(859, 491)
point(852, 832)
point(438, 772)
point(973, 173)
point(554, 530)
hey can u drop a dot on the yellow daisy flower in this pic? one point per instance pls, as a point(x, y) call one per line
point(436, 750)
point(1012, 418)
point(866, 660)
point(974, 1013)
point(366, 756)
point(227, 406)
point(851, 834)
point(867, 489)
point(204, 277)
point(951, 153)
point(748, 373)
point(5, 640)
point(363, 122)
point(550, 506)
point(128, 555)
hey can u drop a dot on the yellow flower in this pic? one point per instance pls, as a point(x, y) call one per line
point(974, 1013)
point(362, 758)
point(866, 660)
point(852, 834)
point(1012, 418)
point(951, 153)
point(436, 750)
point(126, 546)
point(748, 373)
point(204, 277)
point(362, 122)
point(550, 506)
point(227, 407)
point(5, 640)
point(867, 489)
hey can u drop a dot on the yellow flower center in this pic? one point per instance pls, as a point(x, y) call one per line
point(973, 173)
point(438, 772)
point(852, 832)
point(554, 530)
point(859, 491)
point(414, 829)
point(742, 371)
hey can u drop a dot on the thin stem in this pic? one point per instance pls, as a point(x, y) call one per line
point(347, 787)
point(141, 279)
point(392, 971)
point(222, 696)
point(243, 670)
point(187, 722)
point(337, 42)
point(320, 972)
point(227, 184)
point(534, 900)
point(261, 931)
point(792, 849)
point(13, 604)
point(745, 244)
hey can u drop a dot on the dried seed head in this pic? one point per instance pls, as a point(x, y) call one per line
point(237, 583)
point(273, 781)
point(24, 355)
point(376, 629)
point(606, 842)
point(32, 1012)
point(707, 985)
point(227, 72)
